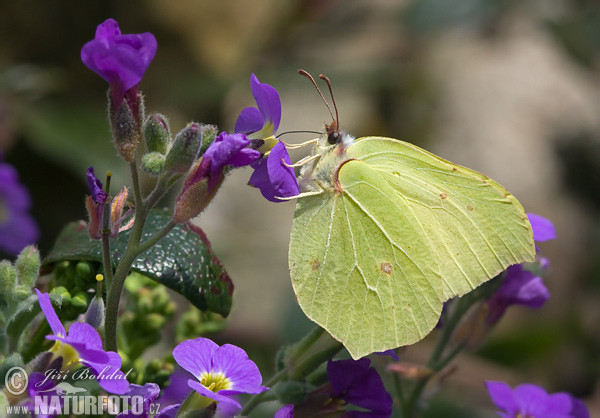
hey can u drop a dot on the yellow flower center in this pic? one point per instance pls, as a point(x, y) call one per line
point(68, 353)
point(215, 381)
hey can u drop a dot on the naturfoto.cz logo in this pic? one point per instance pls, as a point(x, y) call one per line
point(68, 399)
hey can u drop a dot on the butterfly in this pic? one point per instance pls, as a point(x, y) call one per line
point(384, 232)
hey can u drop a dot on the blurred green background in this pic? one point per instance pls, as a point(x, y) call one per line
point(509, 88)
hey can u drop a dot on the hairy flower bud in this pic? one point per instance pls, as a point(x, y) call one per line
point(125, 125)
point(8, 277)
point(95, 313)
point(157, 134)
point(28, 266)
point(153, 163)
point(193, 200)
point(185, 149)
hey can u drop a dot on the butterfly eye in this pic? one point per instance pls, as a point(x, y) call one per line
point(333, 137)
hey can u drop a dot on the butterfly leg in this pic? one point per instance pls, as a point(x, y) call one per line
point(302, 162)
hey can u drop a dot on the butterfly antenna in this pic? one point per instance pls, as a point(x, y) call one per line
point(307, 75)
point(324, 77)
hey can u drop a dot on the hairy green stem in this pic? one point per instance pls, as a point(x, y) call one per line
point(135, 179)
point(434, 363)
point(106, 262)
point(131, 253)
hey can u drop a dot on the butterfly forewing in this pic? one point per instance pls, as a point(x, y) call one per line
point(475, 227)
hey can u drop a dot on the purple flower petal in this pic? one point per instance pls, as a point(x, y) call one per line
point(520, 287)
point(55, 325)
point(529, 400)
point(178, 388)
point(268, 115)
point(250, 120)
point(149, 392)
point(168, 412)
point(357, 383)
point(286, 411)
point(109, 374)
point(195, 356)
point(121, 60)
point(543, 229)
point(17, 228)
point(272, 177)
point(234, 363)
point(502, 396)
point(224, 151)
point(268, 102)
point(19, 231)
point(84, 333)
point(95, 186)
point(578, 409)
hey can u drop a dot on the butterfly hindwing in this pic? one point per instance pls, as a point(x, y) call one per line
point(356, 268)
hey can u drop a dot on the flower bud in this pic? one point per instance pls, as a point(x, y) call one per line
point(185, 149)
point(8, 277)
point(28, 266)
point(153, 163)
point(95, 313)
point(64, 294)
point(86, 270)
point(79, 302)
point(209, 133)
point(157, 134)
point(193, 201)
point(125, 125)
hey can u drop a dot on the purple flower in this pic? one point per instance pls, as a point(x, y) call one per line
point(220, 371)
point(95, 186)
point(528, 400)
point(263, 122)
point(36, 386)
point(17, 227)
point(83, 345)
point(229, 150)
point(520, 287)
point(286, 411)
point(95, 207)
point(121, 60)
point(178, 389)
point(354, 382)
point(273, 177)
point(208, 173)
point(543, 230)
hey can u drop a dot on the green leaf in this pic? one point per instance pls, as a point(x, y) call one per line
point(183, 260)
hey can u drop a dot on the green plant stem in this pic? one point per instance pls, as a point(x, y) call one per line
point(308, 354)
point(131, 252)
point(434, 363)
point(106, 262)
point(135, 180)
